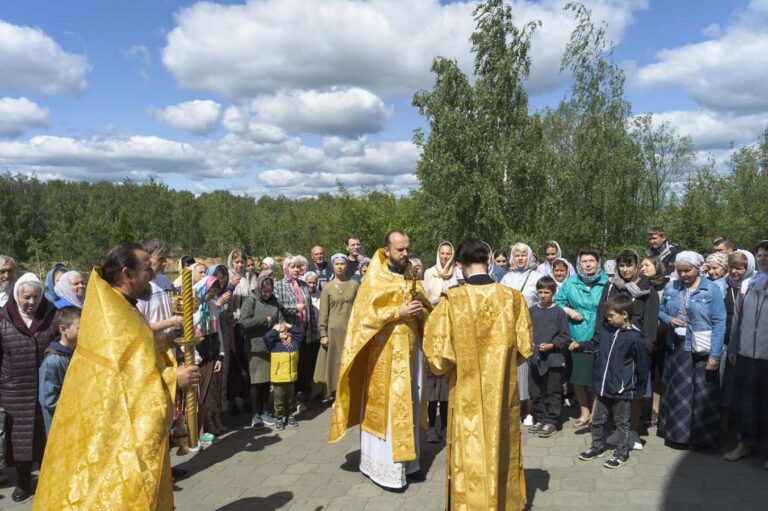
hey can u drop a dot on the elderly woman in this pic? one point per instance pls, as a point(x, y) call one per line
point(523, 276)
point(336, 301)
point(26, 329)
point(293, 295)
point(717, 270)
point(259, 313)
point(71, 290)
point(442, 276)
point(51, 279)
point(579, 297)
point(629, 281)
point(749, 354)
point(694, 310)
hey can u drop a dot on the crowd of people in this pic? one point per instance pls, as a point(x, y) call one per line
point(671, 339)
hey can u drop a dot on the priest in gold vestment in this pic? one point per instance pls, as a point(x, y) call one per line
point(108, 445)
point(477, 335)
point(380, 380)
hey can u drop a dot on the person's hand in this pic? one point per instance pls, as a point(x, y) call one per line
point(573, 346)
point(676, 323)
point(712, 364)
point(176, 322)
point(324, 341)
point(217, 365)
point(235, 280)
point(269, 320)
point(546, 346)
point(411, 309)
point(187, 376)
point(732, 359)
point(575, 316)
point(286, 340)
point(224, 299)
point(299, 307)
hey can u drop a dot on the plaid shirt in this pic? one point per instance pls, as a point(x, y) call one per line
point(287, 300)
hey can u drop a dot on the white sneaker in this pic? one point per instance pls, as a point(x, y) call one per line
point(528, 421)
point(432, 436)
point(637, 446)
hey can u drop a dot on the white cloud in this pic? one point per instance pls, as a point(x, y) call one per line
point(711, 130)
point(113, 158)
point(31, 60)
point(238, 121)
point(142, 53)
point(198, 116)
point(243, 51)
point(349, 112)
point(20, 115)
point(725, 73)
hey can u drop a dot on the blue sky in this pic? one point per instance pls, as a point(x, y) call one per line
point(286, 96)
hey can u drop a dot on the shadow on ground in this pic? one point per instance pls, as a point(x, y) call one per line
point(536, 479)
point(270, 503)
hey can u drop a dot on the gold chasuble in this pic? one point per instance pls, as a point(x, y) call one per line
point(378, 349)
point(477, 335)
point(108, 445)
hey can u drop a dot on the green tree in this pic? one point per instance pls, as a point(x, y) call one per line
point(122, 230)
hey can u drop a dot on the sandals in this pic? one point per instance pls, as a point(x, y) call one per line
point(582, 422)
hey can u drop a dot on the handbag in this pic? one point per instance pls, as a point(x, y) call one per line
point(701, 342)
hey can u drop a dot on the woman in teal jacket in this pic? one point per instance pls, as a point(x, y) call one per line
point(580, 296)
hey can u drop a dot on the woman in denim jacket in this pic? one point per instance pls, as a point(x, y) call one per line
point(694, 309)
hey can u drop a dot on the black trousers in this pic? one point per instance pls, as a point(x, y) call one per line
point(620, 409)
point(547, 394)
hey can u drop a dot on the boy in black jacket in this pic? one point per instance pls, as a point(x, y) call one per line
point(620, 374)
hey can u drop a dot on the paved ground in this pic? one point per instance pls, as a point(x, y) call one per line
point(297, 470)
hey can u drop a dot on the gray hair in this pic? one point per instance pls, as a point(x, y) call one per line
point(310, 274)
point(7, 259)
point(153, 245)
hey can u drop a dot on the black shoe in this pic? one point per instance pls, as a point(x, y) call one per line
point(592, 453)
point(547, 430)
point(536, 428)
point(179, 473)
point(20, 494)
point(616, 461)
point(416, 477)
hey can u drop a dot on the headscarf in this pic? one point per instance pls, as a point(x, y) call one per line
point(204, 322)
point(247, 279)
point(335, 257)
point(750, 268)
point(269, 262)
point(210, 273)
point(689, 256)
point(50, 283)
point(633, 286)
point(610, 267)
point(28, 279)
point(568, 268)
point(545, 268)
point(588, 279)
point(64, 290)
point(718, 259)
point(530, 265)
point(265, 276)
point(445, 272)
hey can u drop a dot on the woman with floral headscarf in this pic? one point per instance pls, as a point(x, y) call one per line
point(694, 309)
point(442, 276)
point(211, 352)
point(336, 301)
point(579, 297)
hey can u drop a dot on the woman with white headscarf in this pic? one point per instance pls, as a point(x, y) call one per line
point(71, 290)
point(523, 277)
point(442, 276)
point(694, 309)
point(336, 301)
point(236, 366)
point(26, 330)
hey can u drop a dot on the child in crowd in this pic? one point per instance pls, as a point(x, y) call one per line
point(551, 335)
point(620, 374)
point(56, 361)
point(283, 342)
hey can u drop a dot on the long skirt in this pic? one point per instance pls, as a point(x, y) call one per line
point(751, 404)
point(689, 412)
